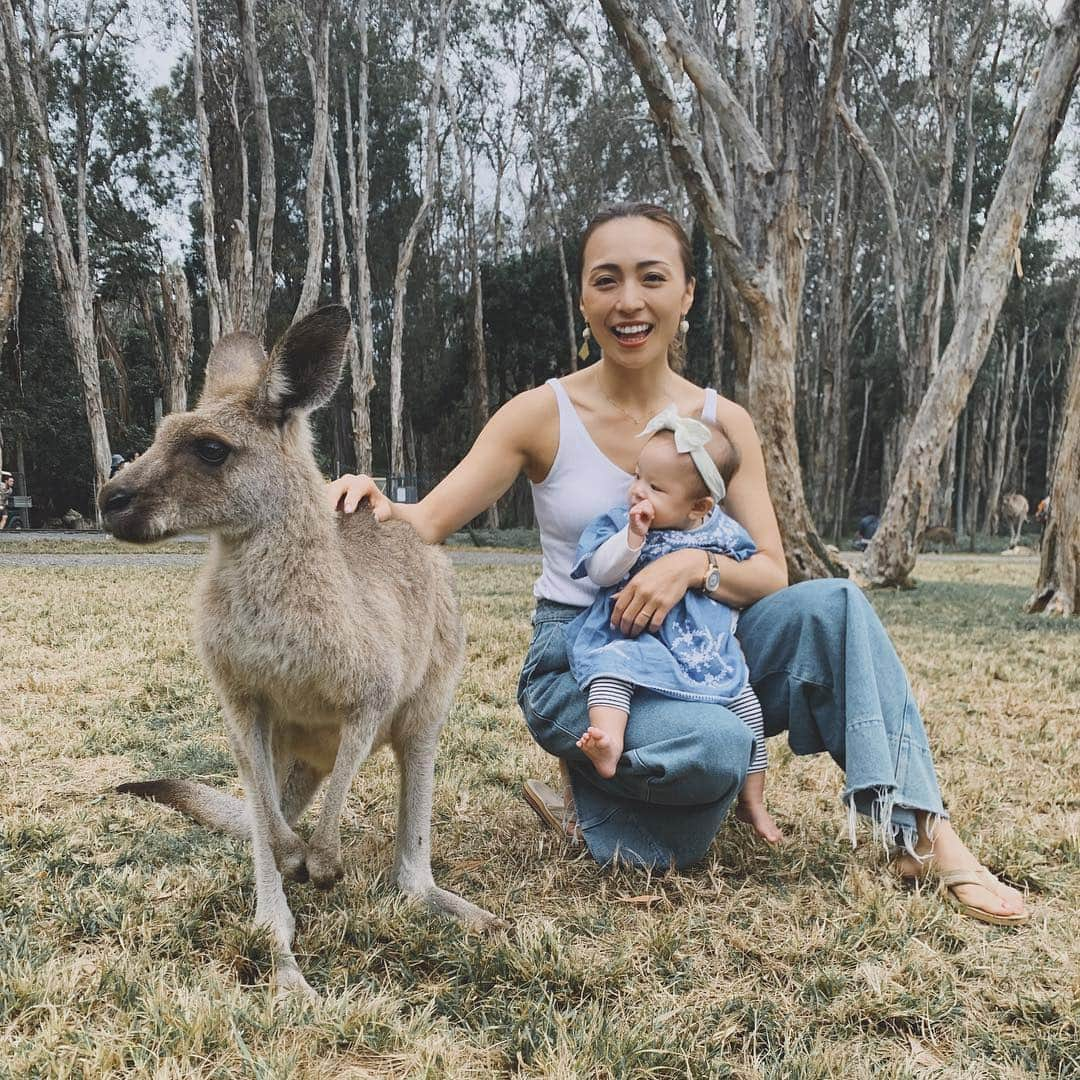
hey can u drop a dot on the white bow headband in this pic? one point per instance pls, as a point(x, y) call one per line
point(691, 437)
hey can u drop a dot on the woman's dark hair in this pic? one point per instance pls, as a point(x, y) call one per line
point(677, 349)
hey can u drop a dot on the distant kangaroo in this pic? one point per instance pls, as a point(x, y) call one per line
point(326, 635)
point(1015, 508)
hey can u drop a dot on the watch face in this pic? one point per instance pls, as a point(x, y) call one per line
point(712, 580)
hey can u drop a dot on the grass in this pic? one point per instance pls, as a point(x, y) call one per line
point(100, 544)
point(125, 939)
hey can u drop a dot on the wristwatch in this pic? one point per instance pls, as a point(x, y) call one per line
point(712, 575)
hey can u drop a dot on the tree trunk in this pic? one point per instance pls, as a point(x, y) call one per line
point(362, 368)
point(717, 312)
point(408, 245)
point(12, 199)
point(1051, 422)
point(548, 196)
point(149, 317)
point(179, 336)
point(261, 282)
point(1002, 427)
point(477, 362)
point(892, 552)
point(344, 281)
point(317, 55)
point(978, 431)
point(221, 316)
point(1058, 588)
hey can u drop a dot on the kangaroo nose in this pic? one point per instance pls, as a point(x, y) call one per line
point(117, 501)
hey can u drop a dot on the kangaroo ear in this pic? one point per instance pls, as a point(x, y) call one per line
point(305, 365)
point(235, 363)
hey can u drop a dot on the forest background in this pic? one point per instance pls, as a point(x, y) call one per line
point(434, 166)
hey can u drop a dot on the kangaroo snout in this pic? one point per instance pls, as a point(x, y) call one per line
point(113, 499)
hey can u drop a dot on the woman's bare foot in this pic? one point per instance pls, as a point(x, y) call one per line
point(948, 852)
point(603, 749)
point(760, 820)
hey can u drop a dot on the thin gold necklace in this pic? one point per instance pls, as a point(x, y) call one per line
point(615, 405)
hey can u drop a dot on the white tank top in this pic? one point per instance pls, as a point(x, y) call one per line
point(581, 484)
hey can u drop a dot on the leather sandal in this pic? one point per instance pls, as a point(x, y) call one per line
point(982, 877)
point(551, 809)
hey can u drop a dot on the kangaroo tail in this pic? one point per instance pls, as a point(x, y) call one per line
point(204, 804)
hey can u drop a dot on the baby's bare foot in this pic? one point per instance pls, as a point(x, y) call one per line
point(760, 820)
point(604, 750)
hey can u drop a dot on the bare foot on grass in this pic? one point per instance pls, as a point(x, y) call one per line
point(760, 820)
point(603, 750)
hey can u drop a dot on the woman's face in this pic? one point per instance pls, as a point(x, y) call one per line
point(634, 291)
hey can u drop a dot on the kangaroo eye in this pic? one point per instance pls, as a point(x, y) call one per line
point(211, 451)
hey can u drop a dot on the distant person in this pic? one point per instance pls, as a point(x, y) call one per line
point(7, 487)
point(868, 525)
point(118, 462)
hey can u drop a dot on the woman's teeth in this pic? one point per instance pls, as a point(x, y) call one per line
point(632, 333)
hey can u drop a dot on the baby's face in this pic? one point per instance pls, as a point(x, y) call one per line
point(669, 480)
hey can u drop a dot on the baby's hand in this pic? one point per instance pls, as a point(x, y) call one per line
point(641, 517)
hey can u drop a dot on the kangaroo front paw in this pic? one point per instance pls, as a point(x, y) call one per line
point(324, 867)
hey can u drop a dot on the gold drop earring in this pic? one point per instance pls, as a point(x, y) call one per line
point(583, 352)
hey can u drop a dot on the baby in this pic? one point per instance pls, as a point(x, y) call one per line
point(674, 499)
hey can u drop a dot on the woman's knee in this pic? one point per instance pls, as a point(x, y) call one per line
point(824, 596)
point(727, 746)
point(702, 764)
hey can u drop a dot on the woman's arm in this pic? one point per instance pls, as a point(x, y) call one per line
point(748, 502)
point(516, 438)
point(645, 601)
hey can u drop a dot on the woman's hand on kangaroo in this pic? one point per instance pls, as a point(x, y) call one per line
point(644, 601)
point(348, 492)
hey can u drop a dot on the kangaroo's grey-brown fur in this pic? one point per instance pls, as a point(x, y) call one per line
point(1015, 507)
point(326, 635)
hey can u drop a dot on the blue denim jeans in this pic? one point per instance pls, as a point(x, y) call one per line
point(825, 671)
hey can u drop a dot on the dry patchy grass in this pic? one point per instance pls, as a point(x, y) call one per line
point(126, 948)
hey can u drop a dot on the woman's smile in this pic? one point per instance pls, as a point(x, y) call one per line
point(631, 335)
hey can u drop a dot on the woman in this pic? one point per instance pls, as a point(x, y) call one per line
point(818, 657)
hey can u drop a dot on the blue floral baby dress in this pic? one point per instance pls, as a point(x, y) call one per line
point(694, 655)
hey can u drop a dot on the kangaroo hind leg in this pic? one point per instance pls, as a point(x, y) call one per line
point(416, 732)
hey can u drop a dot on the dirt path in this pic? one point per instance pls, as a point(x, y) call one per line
point(11, 542)
point(11, 556)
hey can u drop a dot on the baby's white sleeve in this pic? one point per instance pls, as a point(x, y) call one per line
point(611, 560)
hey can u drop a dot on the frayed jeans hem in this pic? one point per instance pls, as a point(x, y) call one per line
point(892, 822)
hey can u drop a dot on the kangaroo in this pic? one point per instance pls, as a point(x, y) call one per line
point(325, 635)
point(939, 536)
point(1015, 508)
